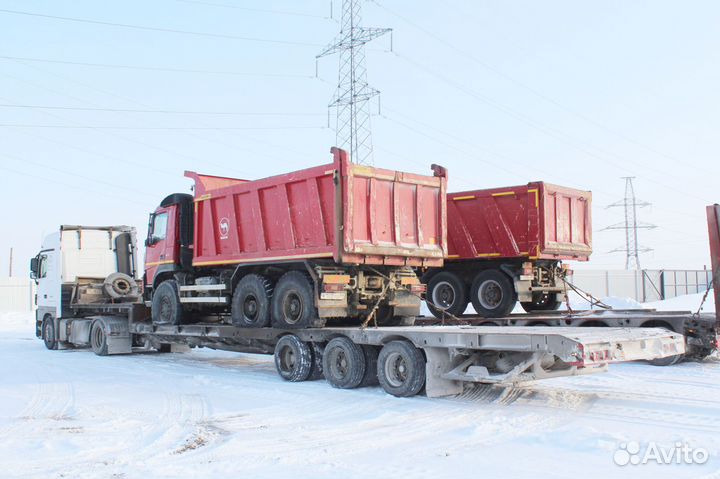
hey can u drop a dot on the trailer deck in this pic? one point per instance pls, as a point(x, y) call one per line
point(454, 354)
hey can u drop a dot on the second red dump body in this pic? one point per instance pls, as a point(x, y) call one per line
point(538, 221)
point(505, 245)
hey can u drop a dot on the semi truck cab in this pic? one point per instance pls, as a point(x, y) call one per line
point(79, 270)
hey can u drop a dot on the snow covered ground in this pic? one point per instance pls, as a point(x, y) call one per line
point(219, 414)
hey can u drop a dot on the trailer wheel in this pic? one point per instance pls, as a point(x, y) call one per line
point(166, 306)
point(98, 339)
point(401, 369)
point(48, 333)
point(542, 302)
point(493, 294)
point(251, 302)
point(343, 363)
point(666, 361)
point(293, 358)
point(293, 303)
point(446, 294)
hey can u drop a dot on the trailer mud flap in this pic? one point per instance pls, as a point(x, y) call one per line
point(117, 334)
point(439, 363)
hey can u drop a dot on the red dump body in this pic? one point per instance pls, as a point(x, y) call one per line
point(536, 221)
point(351, 213)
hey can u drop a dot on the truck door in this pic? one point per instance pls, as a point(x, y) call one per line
point(48, 286)
point(161, 242)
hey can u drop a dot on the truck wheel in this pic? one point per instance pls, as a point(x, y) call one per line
point(401, 369)
point(493, 294)
point(48, 333)
point(98, 339)
point(293, 303)
point(446, 294)
point(166, 306)
point(293, 358)
point(343, 363)
point(542, 302)
point(251, 302)
point(385, 317)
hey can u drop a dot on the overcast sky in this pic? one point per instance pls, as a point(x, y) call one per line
point(573, 92)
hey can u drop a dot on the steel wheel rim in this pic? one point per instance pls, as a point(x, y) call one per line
point(396, 369)
point(165, 308)
point(443, 295)
point(293, 307)
point(339, 364)
point(250, 307)
point(490, 294)
point(97, 338)
point(287, 359)
point(47, 329)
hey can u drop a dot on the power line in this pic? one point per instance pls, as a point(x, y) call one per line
point(528, 88)
point(124, 127)
point(258, 10)
point(160, 69)
point(548, 131)
point(133, 110)
point(160, 29)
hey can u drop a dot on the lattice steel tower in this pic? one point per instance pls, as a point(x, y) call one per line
point(353, 93)
point(631, 225)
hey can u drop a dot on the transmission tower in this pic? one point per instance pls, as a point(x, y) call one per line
point(631, 225)
point(353, 93)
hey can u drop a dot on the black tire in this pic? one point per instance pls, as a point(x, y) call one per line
point(343, 363)
point(166, 306)
point(293, 358)
point(370, 377)
point(493, 294)
point(164, 348)
point(542, 302)
point(48, 333)
point(384, 317)
point(667, 361)
point(251, 302)
point(293, 302)
point(98, 339)
point(401, 369)
point(446, 292)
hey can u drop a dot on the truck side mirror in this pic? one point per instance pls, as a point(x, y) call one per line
point(34, 267)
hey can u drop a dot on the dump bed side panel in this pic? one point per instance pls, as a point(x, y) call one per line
point(536, 220)
point(281, 218)
point(392, 217)
point(566, 222)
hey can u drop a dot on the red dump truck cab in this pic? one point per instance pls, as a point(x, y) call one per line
point(333, 241)
point(506, 244)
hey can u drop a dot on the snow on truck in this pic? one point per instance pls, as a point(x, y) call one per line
point(506, 245)
point(297, 250)
point(336, 241)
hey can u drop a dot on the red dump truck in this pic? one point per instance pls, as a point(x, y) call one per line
point(506, 245)
point(292, 251)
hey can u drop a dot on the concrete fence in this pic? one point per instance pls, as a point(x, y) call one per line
point(17, 294)
point(643, 286)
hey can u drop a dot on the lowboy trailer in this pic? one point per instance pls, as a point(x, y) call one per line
point(89, 296)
